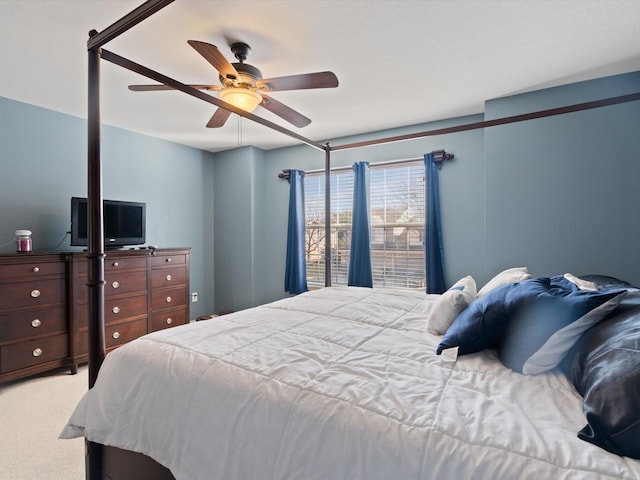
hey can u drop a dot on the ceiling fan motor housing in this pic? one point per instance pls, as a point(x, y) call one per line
point(249, 74)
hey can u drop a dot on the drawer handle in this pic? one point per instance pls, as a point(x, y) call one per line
point(116, 335)
point(168, 299)
point(169, 321)
point(115, 309)
point(169, 277)
point(115, 284)
point(168, 259)
point(35, 293)
point(35, 269)
point(35, 323)
point(37, 352)
point(115, 264)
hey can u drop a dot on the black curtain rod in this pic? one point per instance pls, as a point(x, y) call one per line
point(439, 157)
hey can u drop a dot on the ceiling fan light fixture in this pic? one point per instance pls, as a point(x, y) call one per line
point(243, 98)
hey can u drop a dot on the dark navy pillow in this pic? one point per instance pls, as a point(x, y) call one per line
point(483, 324)
point(604, 366)
point(607, 281)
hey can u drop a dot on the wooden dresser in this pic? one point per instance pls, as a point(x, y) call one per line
point(34, 325)
point(44, 310)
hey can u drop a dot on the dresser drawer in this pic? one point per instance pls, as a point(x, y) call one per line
point(33, 352)
point(167, 260)
point(168, 298)
point(117, 309)
point(116, 335)
point(168, 318)
point(112, 263)
point(33, 294)
point(118, 283)
point(115, 263)
point(31, 270)
point(121, 308)
point(168, 277)
point(29, 323)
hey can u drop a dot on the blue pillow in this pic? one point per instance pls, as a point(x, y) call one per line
point(537, 339)
point(482, 325)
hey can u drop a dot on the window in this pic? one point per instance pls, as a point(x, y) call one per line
point(397, 225)
point(341, 204)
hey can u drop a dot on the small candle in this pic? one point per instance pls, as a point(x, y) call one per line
point(23, 240)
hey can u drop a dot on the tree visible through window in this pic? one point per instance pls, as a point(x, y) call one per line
point(397, 225)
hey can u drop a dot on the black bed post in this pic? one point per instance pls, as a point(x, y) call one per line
point(95, 253)
point(327, 215)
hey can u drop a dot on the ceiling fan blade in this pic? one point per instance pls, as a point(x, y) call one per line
point(285, 112)
point(215, 58)
point(219, 118)
point(300, 82)
point(149, 88)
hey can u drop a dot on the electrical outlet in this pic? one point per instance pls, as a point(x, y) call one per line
point(194, 297)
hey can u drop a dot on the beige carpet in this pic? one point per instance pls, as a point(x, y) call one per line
point(33, 411)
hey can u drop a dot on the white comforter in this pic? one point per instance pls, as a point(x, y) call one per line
point(338, 383)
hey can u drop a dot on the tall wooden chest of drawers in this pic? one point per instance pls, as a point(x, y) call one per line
point(44, 311)
point(34, 319)
point(169, 297)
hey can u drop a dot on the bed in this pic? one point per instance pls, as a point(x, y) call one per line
point(339, 382)
point(345, 383)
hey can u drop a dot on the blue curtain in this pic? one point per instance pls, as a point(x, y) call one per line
point(295, 278)
point(433, 252)
point(360, 256)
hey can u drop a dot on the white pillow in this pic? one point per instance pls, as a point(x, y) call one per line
point(450, 304)
point(510, 275)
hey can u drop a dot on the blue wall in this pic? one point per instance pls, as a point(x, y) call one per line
point(555, 194)
point(562, 192)
point(43, 163)
point(237, 199)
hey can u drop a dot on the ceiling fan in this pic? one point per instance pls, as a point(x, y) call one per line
point(242, 85)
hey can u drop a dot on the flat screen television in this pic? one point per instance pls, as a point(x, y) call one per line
point(124, 223)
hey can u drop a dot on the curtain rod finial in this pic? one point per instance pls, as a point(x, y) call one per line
point(440, 155)
point(286, 174)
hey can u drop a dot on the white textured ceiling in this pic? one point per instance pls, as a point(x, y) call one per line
point(399, 62)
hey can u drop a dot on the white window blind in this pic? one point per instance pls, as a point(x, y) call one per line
point(396, 221)
point(397, 226)
point(341, 206)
